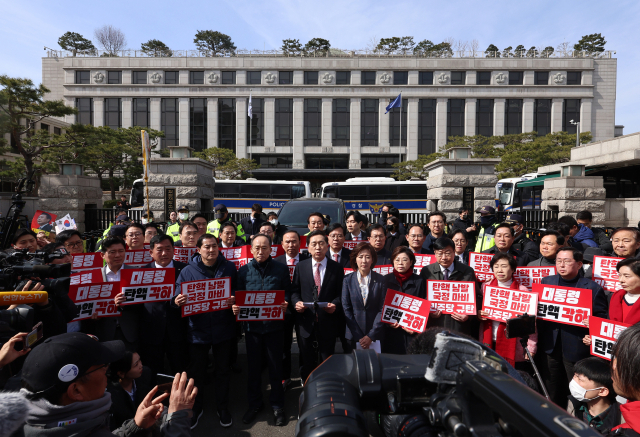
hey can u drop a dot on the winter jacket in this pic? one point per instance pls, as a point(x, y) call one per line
point(217, 326)
point(122, 407)
point(611, 420)
point(585, 236)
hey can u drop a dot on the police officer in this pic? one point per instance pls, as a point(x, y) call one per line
point(174, 229)
point(222, 215)
point(522, 242)
point(488, 225)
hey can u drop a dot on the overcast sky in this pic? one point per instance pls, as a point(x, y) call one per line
point(348, 24)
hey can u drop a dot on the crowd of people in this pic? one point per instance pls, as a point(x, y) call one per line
point(66, 375)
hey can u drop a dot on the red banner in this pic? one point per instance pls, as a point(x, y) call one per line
point(604, 334)
point(505, 303)
point(383, 270)
point(205, 296)
point(570, 306)
point(527, 276)
point(96, 298)
point(183, 254)
point(351, 244)
point(147, 285)
point(409, 311)
point(86, 261)
point(348, 271)
point(452, 297)
point(87, 277)
point(605, 273)
point(260, 305)
point(422, 260)
point(137, 258)
point(238, 255)
point(480, 263)
point(303, 242)
point(276, 250)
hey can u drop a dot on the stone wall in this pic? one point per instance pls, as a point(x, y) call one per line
point(63, 194)
point(572, 194)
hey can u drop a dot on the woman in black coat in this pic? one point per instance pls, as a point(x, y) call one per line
point(396, 338)
point(129, 383)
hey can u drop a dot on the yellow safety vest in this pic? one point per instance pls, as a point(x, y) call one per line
point(214, 228)
point(486, 240)
point(174, 231)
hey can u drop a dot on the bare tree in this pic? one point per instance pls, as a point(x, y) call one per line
point(563, 48)
point(372, 43)
point(474, 46)
point(111, 39)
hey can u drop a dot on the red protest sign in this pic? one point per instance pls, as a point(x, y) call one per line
point(205, 296)
point(96, 298)
point(348, 271)
point(183, 254)
point(260, 305)
point(238, 255)
point(383, 270)
point(527, 276)
point(480, 263)
point(303, 241)
point(604, 334)
point(452, 297)
point(422, 261)
point(86, 277)
point(409, 311)
point(147, 285)
point(351, 244)
point(137, 258)
point(86, 261)
point(605, 273)
point(43, 221)
point(276, 250)
point(570, 306)
point(505, 303)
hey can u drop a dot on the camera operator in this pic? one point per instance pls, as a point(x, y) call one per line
point(72, 241)
point(63, 301)
point(8, 352)
point(25, 239)
point(626, 379)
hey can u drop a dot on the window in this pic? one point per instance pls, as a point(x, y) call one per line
point(483, 78)
point(484, 117)
point(458, 77)
point(198, 124)
point(400, 77)
point(312, 122)
point(226, 190)
point(44, 127)
point(426, 126)
point(257, 122)
point(340, 123)
point(112, 113)
point(254, 77)
point(227, 124)
point(262, 191)
point(171, 77)
point(324, 162)
point(367, 78)
point(574, 77)
point(570, 111)
point(139, 77)
point(542, 116)
point(394, 125)
point(141, 112)
point(455, 118)
point(425, 78)
point(170, 122)
point(228, 77)
point(412, 191)
point(343, 78)
point(285, 77)
point(369, 122)
point(377, 161)
point(114, 77)
point(196, 77)
point(353, 192)
point(515, 77)
point(311, 78)
point(284, 122)
point(513, 116)
point(57, 131)
point(83, 76)
point(274, 161)
point(541, 78)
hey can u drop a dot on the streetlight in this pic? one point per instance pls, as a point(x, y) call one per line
point(577, 125)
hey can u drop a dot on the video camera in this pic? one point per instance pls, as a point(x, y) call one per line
point(461, 388)
point(19, 266)
point(15, 320)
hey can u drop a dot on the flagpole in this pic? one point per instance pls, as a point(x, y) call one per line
point(400, 148)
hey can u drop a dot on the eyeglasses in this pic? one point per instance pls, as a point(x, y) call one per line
point(104, 366)
point(336, 236)
point(563, 262)
point(137, 234)
point(377, 237)
point(459, 241)
point(73, 245)
point(415, 235)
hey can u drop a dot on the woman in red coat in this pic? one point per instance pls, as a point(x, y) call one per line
point(625, 303)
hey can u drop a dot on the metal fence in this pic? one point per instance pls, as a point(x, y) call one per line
point(96, 219)
point(533, 218)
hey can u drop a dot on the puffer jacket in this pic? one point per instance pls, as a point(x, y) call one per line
point(585, 236)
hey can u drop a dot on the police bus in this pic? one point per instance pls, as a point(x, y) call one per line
point(367, 195)
point(516, 194)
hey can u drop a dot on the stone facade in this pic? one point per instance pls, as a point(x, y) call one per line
point(62, 194)
point(572, 194)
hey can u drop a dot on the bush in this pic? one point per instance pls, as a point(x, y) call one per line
point(107, 204)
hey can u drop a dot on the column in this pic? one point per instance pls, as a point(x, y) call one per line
point(212, 122)
point(470, 116)
point(528, 106)
point(412, 130)
point(183, 77)
point(269, 122)
point(441, 123)
point(155, 116)
point(71, 102)
point(355, 124)
point(298, 132)
point(298, 77)
point(498, 117)
point(556, 115)
point(383, 125)
point(528, 79)
point(98, 112)
point(126, 77)
point(585, 116)
point(241, 127)
point(327, 114)
point(183, 104)
point(127, 114)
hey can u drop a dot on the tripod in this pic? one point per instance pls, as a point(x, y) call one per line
point(523, 342)
point(10, 224)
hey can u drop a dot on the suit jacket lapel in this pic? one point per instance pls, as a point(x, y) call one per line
point(437, 271)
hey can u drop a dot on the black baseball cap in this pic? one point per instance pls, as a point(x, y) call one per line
point(183, 208)
point(486, 210)
point(62, 359)
point(123, 218)
point(221, 207)
point(514, 218)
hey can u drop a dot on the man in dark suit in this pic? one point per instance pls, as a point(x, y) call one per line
point(292, 256)
point(162, 329)
point(448, 268)
point(318, 279)
point(354, 222)
point(437, 224)
point(416, 238)
point(229, 236)
point(377, 239)
point(251, 224)
point(562, 344)
point(504, 237)
point(337, 251)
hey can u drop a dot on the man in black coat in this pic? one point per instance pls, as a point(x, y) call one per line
point(229, 236)
point(317, 279)
point(416, 238)
point(521, 241)
point(504, 237)
point(337, 251)
point(251, 224)
point(378, 238)
point(354, 222)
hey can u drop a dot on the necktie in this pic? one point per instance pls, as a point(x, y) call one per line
point(335, 257)
point(291, 262)
point(446, 274)
point(316, 277)
point(356, 238)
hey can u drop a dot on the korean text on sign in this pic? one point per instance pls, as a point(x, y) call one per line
point(205, 296)
point(480, 263)
point(422, 261)
point(409, 311)
point(96, 298)
point(86, 261)
point(351, 244)
point(86, 277)
point(137, 258)
point(528, 276)
point(183, 254)
point(570, 306)
point(238, 255)
point(383, 270)
point(504, 303)
point(260, 305)
point(605, 273)
point(604, 334)
point(452, 297)
point(147, 285)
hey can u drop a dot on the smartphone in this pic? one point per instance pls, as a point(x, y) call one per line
point(521, 326)
point(33, 337)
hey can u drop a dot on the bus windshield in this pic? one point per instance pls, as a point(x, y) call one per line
point(504, 193)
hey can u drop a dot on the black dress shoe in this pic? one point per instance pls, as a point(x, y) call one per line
point(251, 414)
point(280, 417)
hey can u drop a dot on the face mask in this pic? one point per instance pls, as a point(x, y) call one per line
point(486, 221)
point(578, 392)
point(219, 215)
point(384, 214)
point(274, 222)
point(183, 216)
point(144, 221)
point(465, 216)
